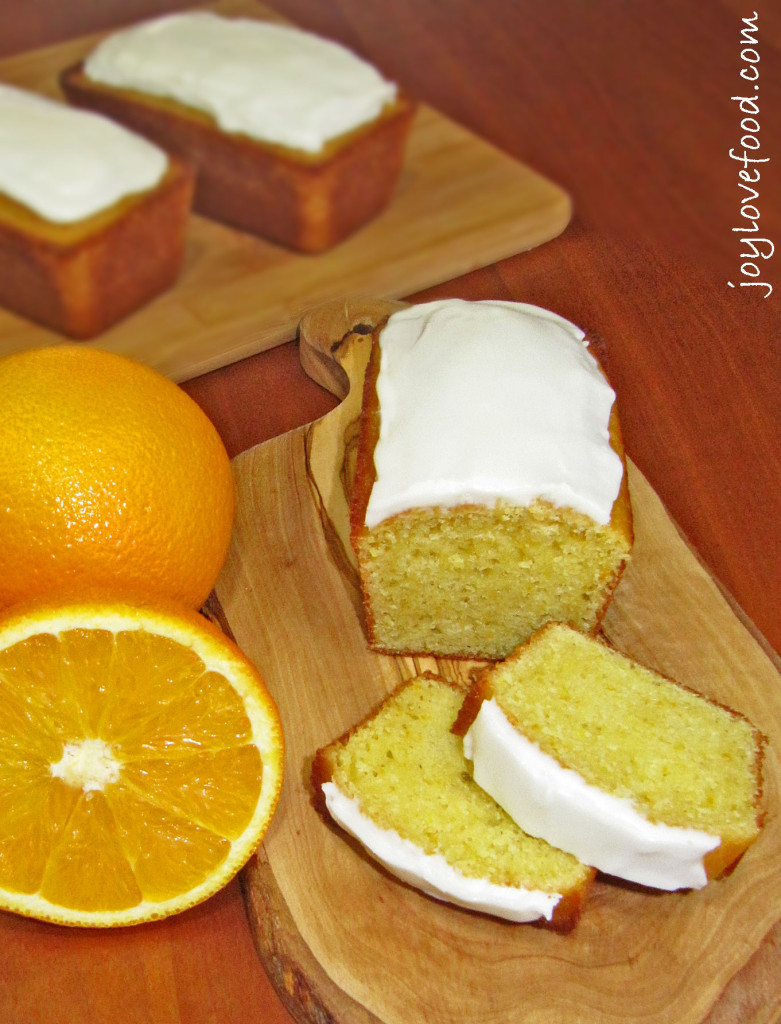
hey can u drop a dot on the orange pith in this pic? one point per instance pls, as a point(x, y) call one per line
point(140, 762)
point(112, 480)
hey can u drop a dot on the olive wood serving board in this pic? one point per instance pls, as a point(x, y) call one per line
point(343, 941)
point(460, 204)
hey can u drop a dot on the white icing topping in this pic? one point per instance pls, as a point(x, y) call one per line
point(431, 873)
point(482, 401)
point(272, 82)
point(67, 164)
point(557, 804)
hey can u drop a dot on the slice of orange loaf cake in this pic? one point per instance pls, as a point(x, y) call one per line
point(490, 490)
point(399, 783)
point(294, 137)
point(633, 774)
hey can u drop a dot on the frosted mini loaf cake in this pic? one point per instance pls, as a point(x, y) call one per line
point(490, 490)
point(295, 138)
point(92, 217)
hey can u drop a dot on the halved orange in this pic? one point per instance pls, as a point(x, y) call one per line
point(141, 761)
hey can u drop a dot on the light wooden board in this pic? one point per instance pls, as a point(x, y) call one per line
point(341, 937)
point(460, 204)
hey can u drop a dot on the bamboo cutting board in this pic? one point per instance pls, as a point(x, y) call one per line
point(345, 942)
point(460, 204)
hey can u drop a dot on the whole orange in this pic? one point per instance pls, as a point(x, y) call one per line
point(112, 481)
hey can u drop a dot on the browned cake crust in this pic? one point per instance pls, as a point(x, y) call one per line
point(369, 434)
point(365, 473)
point(298, 200)
point(79, 279)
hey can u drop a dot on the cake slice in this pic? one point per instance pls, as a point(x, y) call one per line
point(490, 492)
point(635, 775)
point(398, 783)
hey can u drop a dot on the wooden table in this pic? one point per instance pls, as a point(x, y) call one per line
point(628, 107)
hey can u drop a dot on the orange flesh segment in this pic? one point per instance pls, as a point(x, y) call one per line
point(176, 733)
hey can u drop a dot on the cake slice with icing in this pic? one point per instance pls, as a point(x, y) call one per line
point(635, 775)
point(398, 783)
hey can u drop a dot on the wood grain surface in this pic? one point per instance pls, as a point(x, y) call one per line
point(627, 107)
point(357, 941)
point(460, 204)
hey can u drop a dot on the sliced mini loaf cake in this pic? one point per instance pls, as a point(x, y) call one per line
point(490, 492)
